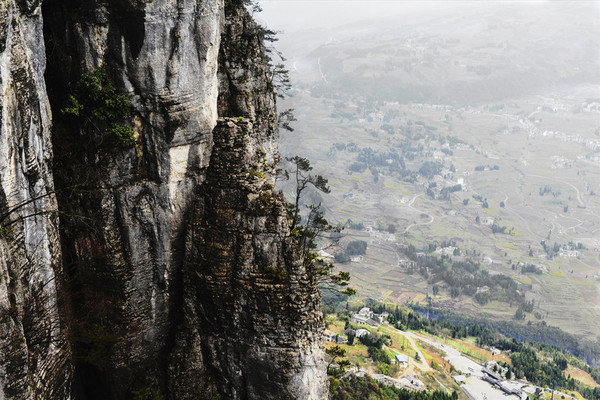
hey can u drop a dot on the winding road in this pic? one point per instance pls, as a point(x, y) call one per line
point(410, 205)
point(321, 71)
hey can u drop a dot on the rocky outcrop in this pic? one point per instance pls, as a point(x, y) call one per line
point(252, 324)
point(248, 299)
point(160, 270)
point(35, 360)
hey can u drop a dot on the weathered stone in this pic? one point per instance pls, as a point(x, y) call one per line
point(178, 278)
point(239, 277)
point(34, 353)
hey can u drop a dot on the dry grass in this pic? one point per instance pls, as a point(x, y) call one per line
point(581, 376)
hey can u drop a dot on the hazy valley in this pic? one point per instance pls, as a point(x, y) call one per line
point(473, 136)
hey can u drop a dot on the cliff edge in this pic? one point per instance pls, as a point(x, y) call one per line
point(162, 268)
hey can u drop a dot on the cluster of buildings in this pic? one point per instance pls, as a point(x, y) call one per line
point(364, 317)
point(343, 339)
point(367, 317)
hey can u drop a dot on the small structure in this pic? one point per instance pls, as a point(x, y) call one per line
point(334, 337)
point(412, 382)
point(360, 333)
point(483, 289)
point(510, 389)
point(497, 380)
point(383, 317)
point(329, 336)
point(324, 254)
point(341, 340)
point(568, 253)
point(365, 316)
point(401, 360)
point(362, 320)
point(492, 374)
point(448, 250)
point(366, 312)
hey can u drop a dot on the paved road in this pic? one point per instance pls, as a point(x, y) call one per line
point(453, 356)
point(475, 387)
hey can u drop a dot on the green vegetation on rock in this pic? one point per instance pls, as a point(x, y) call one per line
point(100, 110)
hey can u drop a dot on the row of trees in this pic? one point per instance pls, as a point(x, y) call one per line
point(353, 387)
point(548, 372)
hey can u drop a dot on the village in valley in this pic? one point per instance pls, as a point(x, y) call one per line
point(461, 186)
point(425, 147)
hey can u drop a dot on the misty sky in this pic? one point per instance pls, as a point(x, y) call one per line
point(569, 29)
point(291, 15)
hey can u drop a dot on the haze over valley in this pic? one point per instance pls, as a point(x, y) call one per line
point(461, 141)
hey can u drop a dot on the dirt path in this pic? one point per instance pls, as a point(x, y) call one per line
point(579, 197)
point(321, 71)
point(413, 200)
point(410, 205)
point(423, 361)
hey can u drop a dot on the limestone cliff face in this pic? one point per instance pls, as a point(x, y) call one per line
point(125, 211)
point(174, 275)
point(248, 300)
point(34, 354)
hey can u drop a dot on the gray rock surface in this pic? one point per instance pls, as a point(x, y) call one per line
point(243, 276)
point(174, 274)
point(35, 357)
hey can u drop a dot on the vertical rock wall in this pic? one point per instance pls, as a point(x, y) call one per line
point(34, 355)
point(125, 209)
point(155, 265)
point(252, 324)
point(160, 270)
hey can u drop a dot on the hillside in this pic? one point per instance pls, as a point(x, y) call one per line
point(465, 154)
point(402, 349)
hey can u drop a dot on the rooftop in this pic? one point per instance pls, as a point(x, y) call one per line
point(401, 358)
